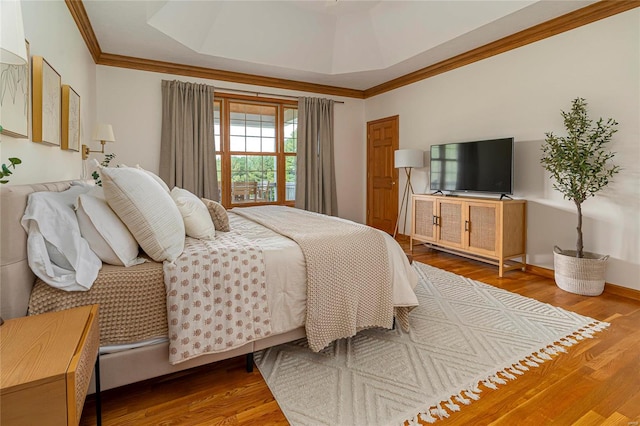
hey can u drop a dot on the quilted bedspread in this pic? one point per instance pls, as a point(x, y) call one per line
point(216, 296)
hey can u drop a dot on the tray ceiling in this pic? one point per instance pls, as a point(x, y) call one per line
point(353, 44)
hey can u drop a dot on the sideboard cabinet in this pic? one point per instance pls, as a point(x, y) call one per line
point(485, 229)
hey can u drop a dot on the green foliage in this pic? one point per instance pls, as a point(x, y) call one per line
point(6, 170)
point(105, 163)
point(579, 162)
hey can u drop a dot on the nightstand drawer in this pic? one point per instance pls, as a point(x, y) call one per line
point(46, 363)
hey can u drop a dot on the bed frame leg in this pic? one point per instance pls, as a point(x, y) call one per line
point(394, 324)
point(249, 365)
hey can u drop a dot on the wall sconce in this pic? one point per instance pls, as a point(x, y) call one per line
point(102, 133)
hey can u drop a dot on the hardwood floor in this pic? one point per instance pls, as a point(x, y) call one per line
point(596, 383)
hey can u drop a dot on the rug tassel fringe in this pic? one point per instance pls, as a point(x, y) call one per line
point(544, 356)
point(521, 367)
point(489, 384)
point(452, 405)
point(427, 417)
point(440, 412)
point(515, 369)
point(473, 394)
point(508, 375)
point(462, 399)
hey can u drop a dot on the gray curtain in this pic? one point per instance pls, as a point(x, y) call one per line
point(315, 171)
point(187, 147)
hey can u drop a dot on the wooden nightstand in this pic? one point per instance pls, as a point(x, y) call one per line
point(46, 363)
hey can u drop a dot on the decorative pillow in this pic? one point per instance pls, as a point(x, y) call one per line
point(218, 214)
point(155, 177)
point(147, 210)
point(56, 251)
point(197, 221)
point(108, 237)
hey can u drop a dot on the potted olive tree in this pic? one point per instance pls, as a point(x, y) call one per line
point(580, 166)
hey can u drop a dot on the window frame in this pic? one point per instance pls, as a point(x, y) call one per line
point(225, 152)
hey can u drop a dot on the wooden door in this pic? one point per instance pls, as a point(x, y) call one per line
point(382, 176)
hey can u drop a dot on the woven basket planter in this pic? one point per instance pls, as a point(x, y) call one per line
point(583, 276)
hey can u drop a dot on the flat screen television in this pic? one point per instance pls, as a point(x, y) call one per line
point(480, 166)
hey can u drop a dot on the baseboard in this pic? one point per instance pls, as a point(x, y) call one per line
point(608, 287)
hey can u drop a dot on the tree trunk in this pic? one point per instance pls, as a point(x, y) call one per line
point(579, 246)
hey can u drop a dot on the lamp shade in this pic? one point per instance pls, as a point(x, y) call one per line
point(103, 132)
point(409, 158)
point(13, 49)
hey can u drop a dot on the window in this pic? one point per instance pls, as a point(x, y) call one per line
point(256, 144)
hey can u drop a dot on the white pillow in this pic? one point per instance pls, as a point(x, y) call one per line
point(108, 237)
point(197, 220)
point(155, 177)
point(56, 251)
point(147, 209)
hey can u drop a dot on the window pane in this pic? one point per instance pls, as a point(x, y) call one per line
point(237, 143)
point(268, 144)
point(290, 129)
point(257, 123)
point(219, 173)
point(253, 144)
point(216, 125)
point(237, 128)
point(268, 130)
point(290, 173)
point(253, 128)
point(253, 178)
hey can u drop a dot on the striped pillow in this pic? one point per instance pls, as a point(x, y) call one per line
point(147, 209)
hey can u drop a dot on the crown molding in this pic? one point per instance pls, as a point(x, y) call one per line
point(79, 14)
point(110, 59)
point(586, 15)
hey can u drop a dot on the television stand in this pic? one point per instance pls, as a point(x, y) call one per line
point(505, 196)
point(485, 229)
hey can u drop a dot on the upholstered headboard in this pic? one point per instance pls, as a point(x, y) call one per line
point(16, 278)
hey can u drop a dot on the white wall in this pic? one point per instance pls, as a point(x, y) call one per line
point(131, 101)
point(521, 93)
point(52, 33)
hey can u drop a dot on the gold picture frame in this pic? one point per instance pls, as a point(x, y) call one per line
point(15, 82)
point(70, 119)
point(46, 102)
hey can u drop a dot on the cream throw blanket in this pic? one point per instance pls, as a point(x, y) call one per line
point(348, 280)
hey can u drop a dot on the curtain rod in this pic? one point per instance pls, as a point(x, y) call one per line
point(222, 89)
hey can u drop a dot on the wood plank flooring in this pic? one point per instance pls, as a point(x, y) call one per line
point(596, 383)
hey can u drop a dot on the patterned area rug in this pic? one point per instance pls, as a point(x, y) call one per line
point(463, 334)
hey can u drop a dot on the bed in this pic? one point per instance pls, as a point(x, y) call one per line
point(125, 359)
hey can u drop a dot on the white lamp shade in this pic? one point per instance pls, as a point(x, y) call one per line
point(409, 158)
point(13, 49)
point(103, 132)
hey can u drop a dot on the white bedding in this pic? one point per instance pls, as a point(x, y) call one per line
point(286, 278)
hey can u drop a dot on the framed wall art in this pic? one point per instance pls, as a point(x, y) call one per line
point(47, 98)
point(70, 119)
point(14, 99)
